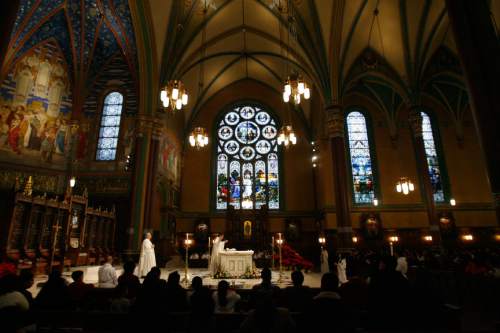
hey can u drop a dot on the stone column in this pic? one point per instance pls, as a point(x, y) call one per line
point(415, 119)
point(335, 128)
point(138, 186)
point(9, 14)
point(152, 170)
point(479, 51)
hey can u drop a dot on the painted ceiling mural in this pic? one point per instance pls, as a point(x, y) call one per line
point(88, 32)
point(60, 53)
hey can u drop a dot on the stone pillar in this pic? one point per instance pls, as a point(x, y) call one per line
point(479, 51)
point(415, 119)
point(152, 170)
point(335, 128)
point(138, 186)
point(9, 14)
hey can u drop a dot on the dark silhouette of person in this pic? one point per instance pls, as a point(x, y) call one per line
point(79, 290)
point(264, 286)
point(327, 309)
point(54, 295)
point(298, 297)
point(388, 293)
point(129, 281)
point(202, 307)
point(176, 296)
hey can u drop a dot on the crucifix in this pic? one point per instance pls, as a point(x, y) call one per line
point(56, 229)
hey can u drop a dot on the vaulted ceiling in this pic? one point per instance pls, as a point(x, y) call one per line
point(390, 50)
point(90, 33)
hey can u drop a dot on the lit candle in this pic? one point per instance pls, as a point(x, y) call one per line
point(392, 249)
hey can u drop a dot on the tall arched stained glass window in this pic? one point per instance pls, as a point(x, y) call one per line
point(432, 158)
point(110, 127)
point(247, 159)
point(361, 162)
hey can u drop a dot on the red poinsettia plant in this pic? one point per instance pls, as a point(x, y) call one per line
point(7, 268)
point(291, 258)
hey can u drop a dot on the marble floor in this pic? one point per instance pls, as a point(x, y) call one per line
point(311, 279)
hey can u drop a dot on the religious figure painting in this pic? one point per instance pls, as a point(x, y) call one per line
point(35, 108)
point(169, 161)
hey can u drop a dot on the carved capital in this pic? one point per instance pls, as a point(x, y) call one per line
point(335, 121)
point(157, 129)
point(415, 119)
point(144, 124)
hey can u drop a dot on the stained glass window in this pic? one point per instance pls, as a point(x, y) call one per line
point(247, 159)
point(110, 127)
point(361, 162)
point(432, 158)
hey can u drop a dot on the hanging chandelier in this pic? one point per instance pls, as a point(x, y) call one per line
point(174, 94)
point(295, 89)
point(405, 186)
point(198, 138)
point(286, 136)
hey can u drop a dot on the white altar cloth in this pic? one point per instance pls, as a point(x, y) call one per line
point(236, 263)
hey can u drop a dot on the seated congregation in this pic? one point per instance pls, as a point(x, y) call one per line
point(377, 297)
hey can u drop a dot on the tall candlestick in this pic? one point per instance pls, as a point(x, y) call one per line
point(272, 253)
point(392, 249)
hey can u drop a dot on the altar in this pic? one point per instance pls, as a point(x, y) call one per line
point(236, 263)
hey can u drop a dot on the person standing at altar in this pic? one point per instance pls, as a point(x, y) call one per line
point(325, 267)
point(147, 259)
point(217, 247)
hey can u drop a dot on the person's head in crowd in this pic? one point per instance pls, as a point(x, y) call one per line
point(154, 273)
point(109, 260)
point(55, 277)
point(129, 267)
point(26, 279)
point(265, 275)
point(77, 276)
point(173, 278)
point(222, 289)
point(329, 282)
point(297, 278)
point(8, 283)
point(197, 283)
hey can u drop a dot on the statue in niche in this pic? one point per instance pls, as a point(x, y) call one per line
point(42, 78)
point(129, 139)
point(56, 92)
point(24, 82)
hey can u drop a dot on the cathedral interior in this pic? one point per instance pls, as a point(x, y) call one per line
point(353, 126)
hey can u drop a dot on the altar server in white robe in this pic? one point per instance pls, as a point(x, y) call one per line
point(341, 269)
point(325, 267)
point(217, 247)
point(147, 259)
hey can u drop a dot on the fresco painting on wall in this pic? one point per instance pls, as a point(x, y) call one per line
point(35, 108)
point(169, 159)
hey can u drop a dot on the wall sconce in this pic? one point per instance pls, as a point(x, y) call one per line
point(322, 240)
point(394, 239)
point(375, 201)
point(354, 239)
point(72, 182)
point(453, 202)
point(467, 237)
point(497, 237)
point(428, 238)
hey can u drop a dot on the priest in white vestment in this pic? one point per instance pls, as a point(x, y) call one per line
point(147, 259)
point(217, 247)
